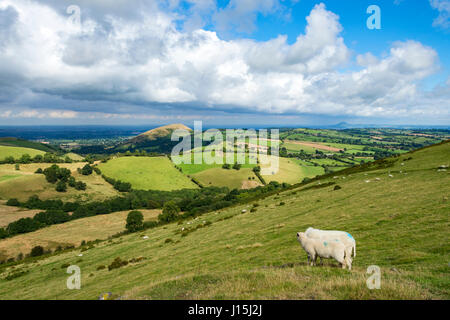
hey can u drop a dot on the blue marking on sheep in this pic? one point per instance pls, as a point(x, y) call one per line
point(325, 243)
point(349, 235)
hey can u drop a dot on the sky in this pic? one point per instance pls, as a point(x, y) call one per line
point(224, 62)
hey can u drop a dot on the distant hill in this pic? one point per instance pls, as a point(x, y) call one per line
point(160, 132)
point(155, 140)
point(16, 142)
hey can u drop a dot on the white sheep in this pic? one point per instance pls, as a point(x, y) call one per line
point(345, 237)
point(324, 249)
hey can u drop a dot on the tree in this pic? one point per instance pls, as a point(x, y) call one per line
point(170, 212)
point(26, 158)
point(135, 221)
point(79, 185)
point(13, 202)
point(86, 170)
point(3, 233)
point(37, 251)
point(61, 186)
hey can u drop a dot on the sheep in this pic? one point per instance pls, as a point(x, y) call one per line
point(345, 237)
point(324, 249)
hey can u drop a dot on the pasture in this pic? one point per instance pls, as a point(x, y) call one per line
point(71, 233)
point(147, 173)
point(17, 152)
point(24, 183)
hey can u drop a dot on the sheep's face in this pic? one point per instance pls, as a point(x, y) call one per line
point(300, 236)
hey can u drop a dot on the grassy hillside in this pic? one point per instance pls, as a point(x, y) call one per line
point(145, 173)
point(400, 223)
point(24, 183)
point(15, 142)
point(17, 152)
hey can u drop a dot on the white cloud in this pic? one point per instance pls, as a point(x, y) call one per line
point(443, 6)
point(120, 62)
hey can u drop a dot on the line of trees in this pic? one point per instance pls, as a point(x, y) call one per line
point(192, 202)
point(46, 158)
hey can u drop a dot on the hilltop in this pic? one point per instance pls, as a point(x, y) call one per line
point(156, 140)
point(396, 208)
point(160, 132)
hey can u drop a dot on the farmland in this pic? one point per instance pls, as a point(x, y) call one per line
point(17, 152)
point(23, 183)
point(70, 233)
point(256, 255)
point(146, 173)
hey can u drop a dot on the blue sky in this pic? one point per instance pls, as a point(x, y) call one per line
point(226, 62)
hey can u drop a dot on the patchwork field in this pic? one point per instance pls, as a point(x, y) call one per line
point(70, 233)
point(400, 223)
point(24, 183)
point(147, 173)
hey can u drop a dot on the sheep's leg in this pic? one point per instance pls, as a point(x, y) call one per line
point(349, 263)
point(314, 260)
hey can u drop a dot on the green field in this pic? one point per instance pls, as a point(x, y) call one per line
point(24, 183)
point(17, 152)
point(147, 173)
point(400, 224)
point(226, 178)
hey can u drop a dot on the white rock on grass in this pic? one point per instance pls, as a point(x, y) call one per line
point(145, 237)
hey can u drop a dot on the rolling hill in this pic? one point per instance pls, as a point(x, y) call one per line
point(161, 132)
point(155, 140)
point(17, 152)
point(16, 142)
point(396, 209)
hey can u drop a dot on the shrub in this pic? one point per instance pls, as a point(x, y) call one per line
point(237, 166)
point(86, 170)
point(13, 202)
point(39, 171)
point(117, 263)
point(79, 185)
point(17, 166)
point(71, 182)
point(37, 251)
point(337, 187)
point(135, 221)
point(61, 186)
point(100, 268)
point(3, 233)
point(170, 212)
